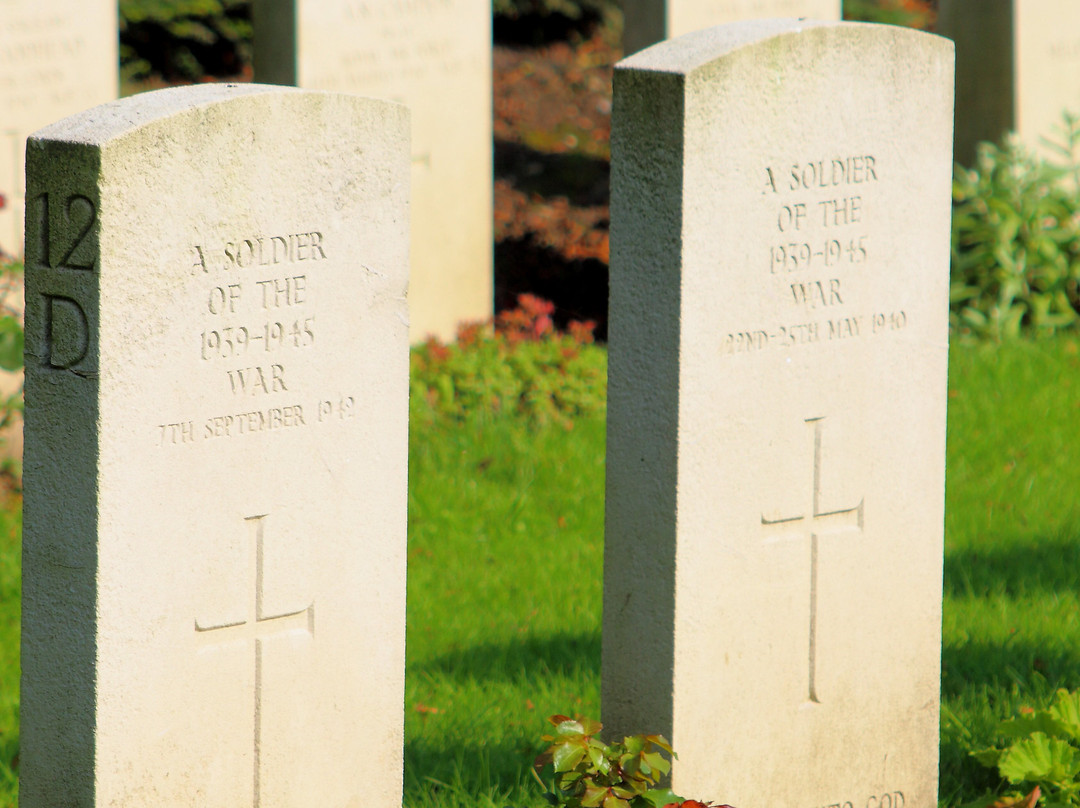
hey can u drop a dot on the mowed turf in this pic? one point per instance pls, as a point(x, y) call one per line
point(1012, 558)
point(505, 578)
point(505, 569)
point(10, 592)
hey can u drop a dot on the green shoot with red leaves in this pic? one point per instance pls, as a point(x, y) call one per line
point(589, 773)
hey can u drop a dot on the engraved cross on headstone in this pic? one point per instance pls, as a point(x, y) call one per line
point(258, 625)
point(818, 523)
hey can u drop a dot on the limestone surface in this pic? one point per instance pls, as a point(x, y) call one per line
point(778, 343)
point(435, 57)
point(215, 460)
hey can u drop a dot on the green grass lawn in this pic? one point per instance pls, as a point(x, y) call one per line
point(505, 577)
point(505, 564)
point(1012, 557)
point(10, 591)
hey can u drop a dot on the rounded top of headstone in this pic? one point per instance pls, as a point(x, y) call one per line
point(104, 122)
point(100, 124)
point(688, 52)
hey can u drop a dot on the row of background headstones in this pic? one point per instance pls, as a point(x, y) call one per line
point(214, 540)
point(1015, 72)
point(57, 57)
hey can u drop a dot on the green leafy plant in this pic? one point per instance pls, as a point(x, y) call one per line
point(184, 40)
point(11, 337)
point(11, 330)
point(516, 364)
point(911, 13)
point(1016, 240)
point(588, 773)
point(1041, 755)
point(573, 9)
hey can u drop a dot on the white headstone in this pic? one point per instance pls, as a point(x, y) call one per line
point(776, 411)
point(435, 57)
point(56, 57)
point(215, 464)
point(646, 22)
point(1017, 68)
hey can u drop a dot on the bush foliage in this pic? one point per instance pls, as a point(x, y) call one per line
point(910, 13)
point(572, 9)
point(517, 364)
point(1016, 240)
point(184, 40)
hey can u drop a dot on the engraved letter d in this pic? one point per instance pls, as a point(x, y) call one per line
point(67, 333)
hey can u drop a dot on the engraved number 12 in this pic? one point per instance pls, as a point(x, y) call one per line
point(80, 214)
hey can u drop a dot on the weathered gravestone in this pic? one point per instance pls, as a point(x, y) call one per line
point(56, 58)
point(776, 416)
point(1017, 68)
point(435, 57)
point(647, 22)
point(215, 466)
